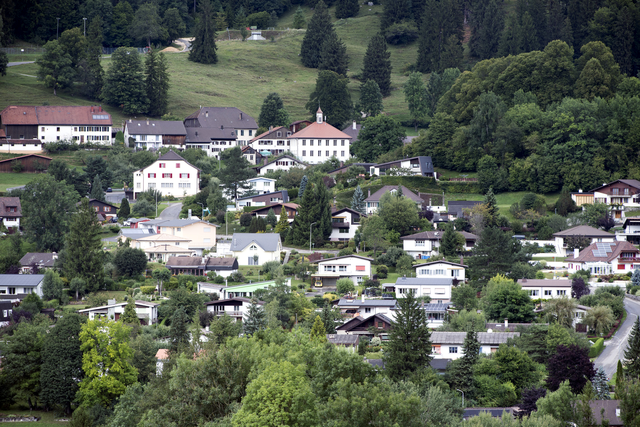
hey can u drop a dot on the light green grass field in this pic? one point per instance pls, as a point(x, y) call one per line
point(8, 180)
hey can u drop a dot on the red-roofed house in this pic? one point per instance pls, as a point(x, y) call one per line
point(319, 142)
point(620, 195)
point(605, 258)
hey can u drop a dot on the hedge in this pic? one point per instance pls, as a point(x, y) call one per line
point(596, 348)
point(147, 290)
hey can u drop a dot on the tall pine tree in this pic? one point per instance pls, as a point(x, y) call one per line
point(157, 83)
point(96, 189)
point(357, 201)
point(487, 20)
point(303, 186)
point(347, 9)
point(395, 11)
point(179, 332)
point(332, 95)
point(370, 98)
point(333, 56)
point(440, 42)
point(203, 47)
point(318, 30)
point(377, 65)
point(124, 82)
point(632, 353)
point(125, 209)
point(272, 111)
point(255, 319)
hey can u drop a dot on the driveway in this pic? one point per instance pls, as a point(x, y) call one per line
point(114, 197)
point(12, 64)
point(171, 212)
point(616, 346)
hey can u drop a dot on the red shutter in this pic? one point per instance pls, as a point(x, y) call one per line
point(170, 175)
point(359, 267)
point(188, 175)
point(177, 165)
point(148, 175)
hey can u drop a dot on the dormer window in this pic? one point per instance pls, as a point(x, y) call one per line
point(253, 248)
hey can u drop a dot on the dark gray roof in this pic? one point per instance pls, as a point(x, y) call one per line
point(20, 279)
point(424, 281)
point(483, 337)
point(211, 263)
point(350, 302)
point(40, 259)
point(342, 257)
point(583, 230)
point(456, 207)
point(405, 191)
point(155, 127)
point(229, 117)
point(285, 196)
point(353, 133)
point(426, 165)
point(442, 261)
point(439, 364)
point(267, 241)
point(436, 235)
point(171, 155)
point(236, 299)
point(631, 182)
point(206, 135)
point(343, 339)
point(134, 220)
point(494, 412)
point(436, 307)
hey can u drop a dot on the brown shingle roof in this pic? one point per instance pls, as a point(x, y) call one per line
point(320, 131)
point(10, 202)
point(55, 115)
point(583, 230)
point(631, 182)
point(603, 252)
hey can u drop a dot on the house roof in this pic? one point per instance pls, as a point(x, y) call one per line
point(343, 339)
point(55, 115)
point(611, 412)
point(236, 299)
point(285, 195)
point(494, 412)
point(7, 202)
point(436, 235)
point(20, 279)
point(167, 249)
point(100, 202)
point(293, 206)
point(162, 354)
point(602, 252)
point(280, 158)
point(364, 258)
point(405, 191)
point(537, 283)
point(353, 133)
point(267, 241)
point(437, 307)
point(274, 131)
point(196, 261)
point(320, 131)
point(483, 337)
point(134, 233)
point(440, 364)
point(181, 222)
point(358, 320)
point(231, 117)
point(631, 221)
point(40, 259)
point(155, 127)
point(26, 155)
point(119, 304)
point(440, 262)
point(172, 156)
point(426, 165)
point(163, 237)
point(631, 182)
point(423, 281)
point(135, 220)
point(350, 302)
point(457, 207)
point(206, 135)
point(348, 210)
point(583, 230)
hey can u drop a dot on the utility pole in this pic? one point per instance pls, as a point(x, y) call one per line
point(310, 228)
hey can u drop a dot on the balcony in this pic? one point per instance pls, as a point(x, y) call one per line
point(340, 225)
point(228, 313)
point(628, 260)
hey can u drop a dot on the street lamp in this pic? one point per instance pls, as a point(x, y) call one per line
point(156, 204)
point(462, 396)
point(310, 228)
point(57, 27)
point(85, 26)
point(202, 209)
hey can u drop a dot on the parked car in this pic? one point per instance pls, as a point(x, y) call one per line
point(109, 190)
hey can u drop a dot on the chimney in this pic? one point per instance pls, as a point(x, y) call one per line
point(354, 125)
point(580, 190)
point(362, 296)
point(189, 214)
point(506, 324)
point(204, 260)
point(576, 252)
point(270, 127)
point(206, 113)
point(221, 126)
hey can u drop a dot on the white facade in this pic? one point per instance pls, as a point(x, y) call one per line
point(144, 141)
point(353, 307)
point(201, 235)
point(344, 224)
point(245, 135)
point(449, 345)
point(81, 134)
point(255, 252)
point(236, 308)
point(260, 185)
point(171, 175)
point(27, 146)
point(19, 285)
point(546, 289)
point(420, 166)
point(146, 311)
point(440, 269)
point(284, 163)
point(353, 267)
point(319, 142)
point(420, 248)
point(439, 290)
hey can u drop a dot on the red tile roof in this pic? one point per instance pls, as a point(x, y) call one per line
point(10, 202)
point(320, 131)
point(55, 115)
point(596, 252)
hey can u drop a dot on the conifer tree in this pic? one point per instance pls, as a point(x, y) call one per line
point(89, 71)
point(96, 189)
point(333, 56)
point(84, 248)
point(332, 95)
point(282, 226)
point(130, 316)
point(567, 32)
point(124, 83)
point(299, 233)
point(125, 209)
point(255, 319)
point(510, 42)
point(303, 186)
point(415, 94)
point(272, 112)
point(449, 245)
point(377, 65)
point(492, 206)
point(272, 220)
point(318, 30)
point(52, 285)
point(370, 98)
point(318, 332)
point(357, 201)
point(528, 38)
point(329, 316)
point(322, 213)
point(203, 47)
point(635, 277)
point(487, 20)
point(620, 377)
point(452, 53)
point(632, 353)
point(157, 83)
point(463, 370)
point(600, 384)
point(299, 20)
point(347, 9)
point(395, 11)
point(179, 332)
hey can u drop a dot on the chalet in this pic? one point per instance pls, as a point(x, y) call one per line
point(200, 266)
point(38, 260)
point(630, 230)
point(154, 134)
point(252, 155)
point(423, 245)
point(373, 200)
point(620, 195)
point(441, 269)
point(237, 308)
point(416, 166)
point(354, 267)
point(274, 141)
point(449, 345)
point(50, 123)
point(256, 248)
point(28, 163)
point(363, 326)
point(105, 209)
point(10, 211)
point(171, 175)
point(265, 199)
point(605, 258)
point(243, 125)
point(594, 234)
point(319, 142)
point(290, 208)
point(147, 311)
point(344, 224)
point(282, 163)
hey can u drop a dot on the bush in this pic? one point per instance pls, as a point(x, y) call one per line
point(401, 33)
point(345, 251)
point(245, 219)
point(344, 286)
point(218, 279)
point(147, 290)
point(596, 348)
point(236, 277)
point(382, 271)
point(114, 228)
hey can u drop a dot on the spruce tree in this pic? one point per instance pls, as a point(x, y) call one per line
point(409, 346)
point(452, 53)
point(179, 332)
point(377, 65)
point(429, 46)
point(299, 20)
point(125, 209)
point(333, 56)
point(415, 94)
point(332, 95)
point(157, 83)
point(203, 47)
point(357, 201)
point(567, 32)
point(97, 191)
point(299, 233)
point(395, 11)
point(84, 248)
point(318, 333)
point(255, 319)
point(329, 316)
point(272, 220)
point(600, 385)
point(303, 186)
point(89, 71)
point(370, 98)
point(463, 370)
point(449, 244)
point(635, 277)
point(52, 286)
point(492, 206)
point(318, 30)
point(510, 40)
point(528, 38)
point(124, 82)
point(347, 9)
point(487, 21)
point(282, 226)
point(620, 382)
point(632, 353)
point(272, 112)
point(323, 212)
point(130, 316)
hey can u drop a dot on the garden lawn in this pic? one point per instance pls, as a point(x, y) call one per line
point(12, 179)
point(47, 419)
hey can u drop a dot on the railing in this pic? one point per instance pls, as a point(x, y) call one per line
point(228, 313)
point(634, 259)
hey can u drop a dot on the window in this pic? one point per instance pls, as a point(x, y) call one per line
point(330, 268)
point(107, 209)
point(335, 142)
point(57, 138)
point(439, 272)
point(455, 273)
point(253, 248)
point(253, 261)
point(162, 165)
point(343, 230)
point(304, 142)
point(342, 268)
point(167, 175)
point(152, 185)
point(419, 242)
point(178, 165)
point(144, 138)
point(206, 230)
point(626, 191)
point(12, 291)
point(453, 350)
point(620, 266)
point(250, 132)
point(311, 153)
point(327, 143)
point(425, 272)
point(241, 132)
point(57, 129)
point(151, 175)
point(615, 191)
point(138, 185)
point(415, 165)
point(533, 293)
point(184, 175)
point(342, 153)
point(327, 153)
point(563, 292)
point(96, 208)
point(311, 142)
point(165, 185)
point(342, 143)
point(435, 349)
point(335, 153)
point(42, 128)
point(547, 292)
point(304, 153)
point(184, 185)
point(367, 310)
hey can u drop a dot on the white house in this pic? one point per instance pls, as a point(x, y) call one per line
point(373, 200)
point(154, 134)
point(170, 174)
point(354, 267)
point(438, 289)
point(256, 248)
point(162, 252)
point(147, 311)
point(415, 166)
point(319, 142)
point(594, 234)
point(436, 313)
point(152, 240)
point(259, 185)
point(264, 199)
point(15, 287)
point(449, 345)
point(201, 234)
point(605, 258)
point(620, 195)
point(546, 288)
point(10, 211)
point(275, 141)
point(282, 163)
point(425, 244)
point(237, 307)
point(216, 129)
point(202, 265)
point(630, 230)
point(440, 269)
point(353, 307)
point(344, 224)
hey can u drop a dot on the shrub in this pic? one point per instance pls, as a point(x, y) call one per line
point(401, 33)
point(218, 279)
point(382, 271)
point(236, 277)
point(344, 286)
point(147, 290)
point(245, 219)
point(345, 251)
point(114, 228)
point(596, 348)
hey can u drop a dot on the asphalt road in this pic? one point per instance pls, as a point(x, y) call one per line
point(11, 64)
point(615, 348)
point(171, 212)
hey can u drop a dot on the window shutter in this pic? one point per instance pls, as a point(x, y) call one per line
point(149, 175)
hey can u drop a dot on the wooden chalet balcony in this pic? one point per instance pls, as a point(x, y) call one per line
point(340, 225)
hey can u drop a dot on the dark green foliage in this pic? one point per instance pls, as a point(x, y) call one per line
point(450, 244)
point(415, 95)
point(144, 357)
point(179, 334)
point(632, 352)
point(62, 363)
point(272, 112)
point(174, 24)
point(146, 24)
point(440, 36)
point(357, 201)
point(124, 83)
point(401, 33)
point(395, 11)
point(236, 170)
point(56, 67)
point(130, 262)
point(333, 55)
point(464, 297)
point(570, 363)
point(157, 83)
point(303, 186)
point(96, 189)
point(52, 285)
point(256, 319)
point(124, 210)
point(347, 9)
point(318, 30)
point(460, 374)
point(332, 96)
point(409, 347)
point(379, 135)
point(298, 19)
point(487, 20)
point(494, 254)
point(271, 218)
point(203, 47)
point(122, 18)
point(377, 65)
point(257, 225)
point(370, 98)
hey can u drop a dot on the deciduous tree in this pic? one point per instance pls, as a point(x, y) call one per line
point(130, 262)
point(399, 213)
point(52, 285)
point(632, 352)
point(570, 363)
point(55, 67)
point(415, 95)
point(146, 25)
point(379, 135)
point(502, 299)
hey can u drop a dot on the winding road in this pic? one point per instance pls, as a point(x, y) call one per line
point(615, 348)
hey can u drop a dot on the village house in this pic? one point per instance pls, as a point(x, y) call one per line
point(620, 195)
point(265, 199)
point(162, 252)
point(425, 244)
point(630, 230)
point(38, 260)
point(344, 342)
point(171, 175)
point(363, 326)
point(155, 134)
point(246, 290)
point(290, 208)
point(236, 308)
point(344, 224)
point(546, 288)
point(258, 185)
point(147, 311)
point(103, 210)
point(441, 269)
point(256, 248)
point(354, 267)
point(15, 287)
point(201, 234)
point(274, 141)
point(594, 234)
point(438, 289)
point(460, 208)
point(417, 166)
point(353, 307)
point(201, 265)
point(373, 200)
point(605, 258)
point(449, 345)
point(151, 240)
point(282, 163)
point(253, 156)
point(6, 313)
point(10, 212)
point(216, 129)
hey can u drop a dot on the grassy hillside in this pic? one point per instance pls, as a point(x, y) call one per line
point(245, 74)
